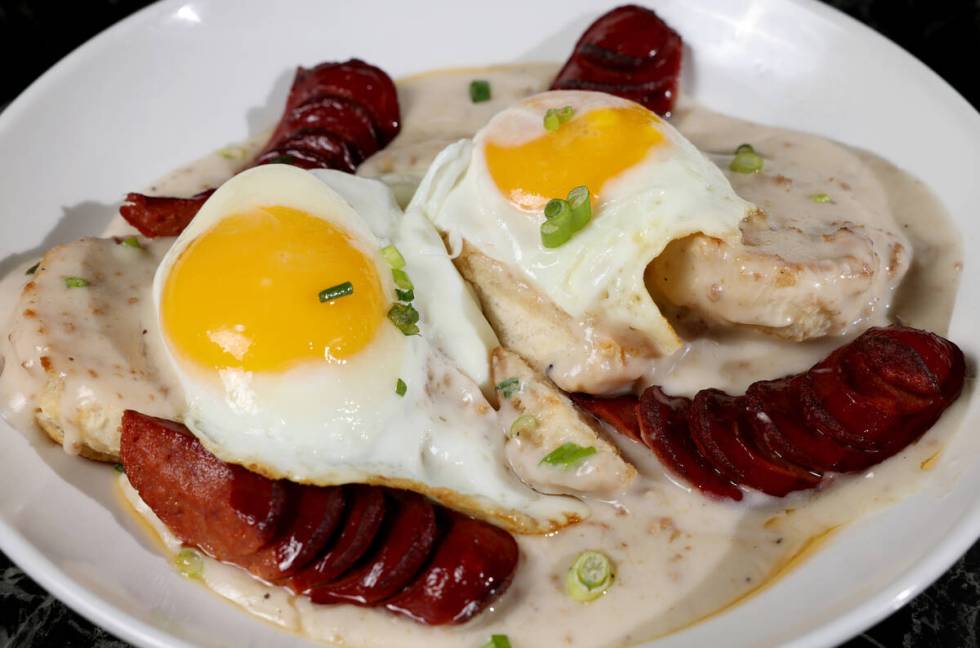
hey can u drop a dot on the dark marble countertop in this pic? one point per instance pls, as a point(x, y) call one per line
point(945, 34)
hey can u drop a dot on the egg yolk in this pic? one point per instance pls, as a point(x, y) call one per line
point(245, 294)
point(590, 149)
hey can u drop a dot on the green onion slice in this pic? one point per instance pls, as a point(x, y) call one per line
point(555, 117)
point(551, 120)
point(746, 163)
point(33, 268)
point(402, 280)
point(189, 563)
point(131, 241)
point(556, 231)
point(568, 455)
point(746, 160)
point(336, 292)
point(75, 282)
point(393, 257)
point(523, 423)
point(589, 576)
point(498, 641)
point(119, 468)
point(509, 387)
point(479, 90)
point(401, 387)
point(580, 205)
point(821, 198)
point(557, 208)
point(405, 318)
point(405, 295)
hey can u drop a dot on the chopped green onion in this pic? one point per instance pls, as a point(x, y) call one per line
point(557, 231)
point(746, 160)
point(567, 455)
point(589, 576)
point(393, 257)
point(551, 120)
point(498, 641)
point(131, 241)
point(555, 117)
point(189, 563)
point(557, 208)
point(821, 198)
point(232, 153)
point(580, 204)
point(75, 282)
point(402, 280)
point(405, 295)
point(119, 468)
point(33, 268)
point(509, 387)
point(336, 292)
point(401, 387)
point(523, 423)
point(405, 318)
point(479, 90)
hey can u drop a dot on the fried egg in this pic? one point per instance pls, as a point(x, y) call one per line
point(326, 388)
point(648, 186)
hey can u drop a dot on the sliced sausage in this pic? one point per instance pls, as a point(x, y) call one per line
point(365, 515)
point(405, 545)
point(226, 510)
point(473, 564)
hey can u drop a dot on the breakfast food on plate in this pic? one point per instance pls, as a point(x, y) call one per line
point(80, 342)
point(548, 429)
point(500, 348)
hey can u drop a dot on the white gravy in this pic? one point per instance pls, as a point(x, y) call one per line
point(680, 557)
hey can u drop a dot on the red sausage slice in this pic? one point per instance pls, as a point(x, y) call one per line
point(619, 412)
point(224, 509)
point(317, 147)
point(663, 427)
point(407, 542)
point(718, 430)
point(473, 564)
point(161, 216)
point(344, 117)
point(773, 411)
point(629, 52)
point(846, 416)
point(317, 516)
point(365, 515)
point(355, 80)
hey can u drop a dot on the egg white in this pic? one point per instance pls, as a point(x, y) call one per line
point(329, 423)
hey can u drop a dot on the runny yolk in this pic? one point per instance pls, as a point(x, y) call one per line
point(245, 293)
point(589, 150)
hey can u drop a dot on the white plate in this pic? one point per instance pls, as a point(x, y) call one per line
point(180, 79)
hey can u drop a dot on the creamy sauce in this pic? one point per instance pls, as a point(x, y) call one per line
point(680, 556)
